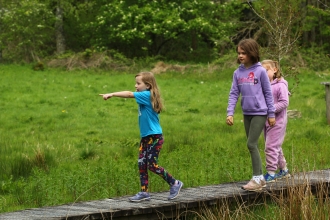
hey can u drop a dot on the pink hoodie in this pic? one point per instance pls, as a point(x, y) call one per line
point(281, 99)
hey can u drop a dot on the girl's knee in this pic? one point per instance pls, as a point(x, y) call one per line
point(252, 147)
point(152, 167)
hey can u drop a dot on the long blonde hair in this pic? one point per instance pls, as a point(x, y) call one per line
point(273, 64)
point(148, 78)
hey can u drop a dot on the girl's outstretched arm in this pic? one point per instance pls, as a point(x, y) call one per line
point(122, 94)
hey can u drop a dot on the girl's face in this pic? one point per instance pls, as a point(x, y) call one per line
point(140, 85)
point(243, 58)
point(270, 71)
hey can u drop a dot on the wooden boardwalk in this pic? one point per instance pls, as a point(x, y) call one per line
point(160, 208)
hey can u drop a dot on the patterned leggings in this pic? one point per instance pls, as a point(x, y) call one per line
point(150, 147)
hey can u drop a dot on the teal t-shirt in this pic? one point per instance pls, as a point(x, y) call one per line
point(148, 118)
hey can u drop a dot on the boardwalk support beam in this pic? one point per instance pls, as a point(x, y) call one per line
point(327, 99)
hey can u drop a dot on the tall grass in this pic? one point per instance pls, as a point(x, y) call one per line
point(298, 201)
point(60, 142)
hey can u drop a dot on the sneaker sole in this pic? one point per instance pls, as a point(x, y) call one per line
point(284, 177)
point(254, 190)
point(147, 199)
point(177, 193)
point(259, 189)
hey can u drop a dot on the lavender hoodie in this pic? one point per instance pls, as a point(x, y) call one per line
point(254, 86)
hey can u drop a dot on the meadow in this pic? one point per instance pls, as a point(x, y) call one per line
point(60, 142)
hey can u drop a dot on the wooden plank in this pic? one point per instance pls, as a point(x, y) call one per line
point(160, 208)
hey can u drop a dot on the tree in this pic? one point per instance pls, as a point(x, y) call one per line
point(60, 39)
point(149, 28)
point(317, 28)
point(2, 10)
point(71, 17)
point(26, 30)
point(282, 22)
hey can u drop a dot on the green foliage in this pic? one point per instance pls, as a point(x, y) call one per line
point(38, 66)
point(314, 58)
point(281, 24)
point(87, 153)
point(147, 26)
point(178, 31)
point(26, 30)
point(23, 164)
point(317, 20)
point(194, 31)
point(87, 53)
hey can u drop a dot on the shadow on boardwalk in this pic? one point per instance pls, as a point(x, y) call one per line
point(160, 208)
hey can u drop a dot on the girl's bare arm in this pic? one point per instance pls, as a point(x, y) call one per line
point(122, 94)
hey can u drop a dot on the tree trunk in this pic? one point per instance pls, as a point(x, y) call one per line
point(1, 9)
point(305, 33)
point(60, 39)
point(320, 25)
point(193, 40)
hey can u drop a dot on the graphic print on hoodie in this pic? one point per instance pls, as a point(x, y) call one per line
point(254, 86)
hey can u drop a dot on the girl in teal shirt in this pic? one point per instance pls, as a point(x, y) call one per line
point(149, 102)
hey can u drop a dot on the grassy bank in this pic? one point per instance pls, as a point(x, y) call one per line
point(61, 142)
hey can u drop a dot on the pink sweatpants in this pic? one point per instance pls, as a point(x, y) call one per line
point(274, 137)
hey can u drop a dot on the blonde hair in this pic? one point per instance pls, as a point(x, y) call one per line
point(156, 101)
point(273, 64)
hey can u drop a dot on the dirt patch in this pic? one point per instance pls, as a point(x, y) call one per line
point(162, 67)
point(87, 61)
point(294, 113)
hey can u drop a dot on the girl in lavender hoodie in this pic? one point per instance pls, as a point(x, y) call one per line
point(274, 136)
point(251, 81)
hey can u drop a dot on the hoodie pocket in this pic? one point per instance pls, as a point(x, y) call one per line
point(250, 103)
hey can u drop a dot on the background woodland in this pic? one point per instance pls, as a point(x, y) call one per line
point(97, 34)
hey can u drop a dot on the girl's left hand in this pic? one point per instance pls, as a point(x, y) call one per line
point(271, 122)
point(230, 120)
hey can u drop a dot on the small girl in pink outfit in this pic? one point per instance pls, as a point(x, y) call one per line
point(274, 135)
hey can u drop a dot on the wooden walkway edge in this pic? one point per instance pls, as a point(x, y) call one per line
point(160, 208)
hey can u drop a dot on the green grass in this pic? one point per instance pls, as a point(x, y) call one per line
point(60, 142)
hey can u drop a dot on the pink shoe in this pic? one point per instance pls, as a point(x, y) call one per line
point(254, 186)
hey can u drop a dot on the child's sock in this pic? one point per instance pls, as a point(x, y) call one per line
point(258, 178)
point(272, 173)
